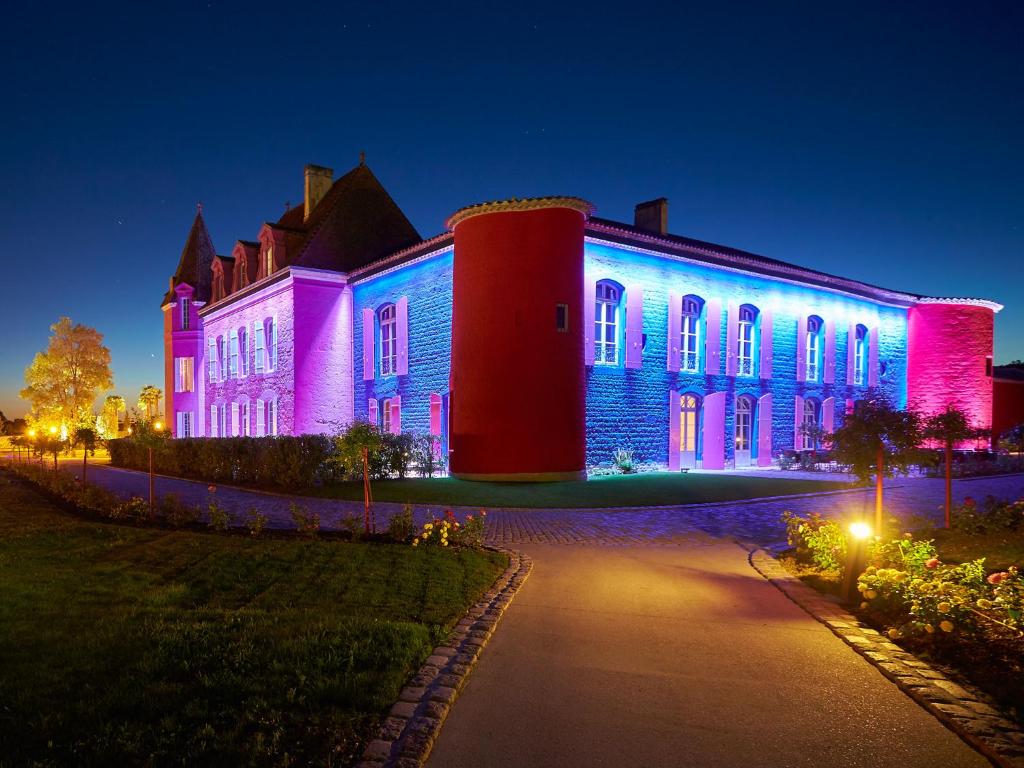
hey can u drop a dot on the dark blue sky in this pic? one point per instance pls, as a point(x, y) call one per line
point(880, 141)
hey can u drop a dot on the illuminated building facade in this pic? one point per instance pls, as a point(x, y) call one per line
point(535, 339)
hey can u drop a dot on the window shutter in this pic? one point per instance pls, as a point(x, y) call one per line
point(829, 376)
point(851, 354)
point(261, 427)
point(873, 358)
point(801, 348)
point(371, 413)
point(767, 346)
point(764, 430)
point(731, 337)
point(849, 406)
point(673, 430)
point(713, 423)
point(273, 344)
point(402, 335)
point(828, 411)
point(589, 297)
point(634, 325)
point(675, 309)
point(713, 337)
point(235, 420)
point(798, 420)
point(179, 430)
point(177, 374)
point(213, 421)
point(369, 354)
point(435, 414)
point(396, 415)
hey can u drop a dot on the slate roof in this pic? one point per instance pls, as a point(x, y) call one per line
point(195, 262)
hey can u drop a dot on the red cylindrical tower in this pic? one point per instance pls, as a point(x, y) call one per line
point(518, 391)
point(949, 357)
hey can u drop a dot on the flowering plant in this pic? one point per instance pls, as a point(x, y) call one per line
point(447, 530)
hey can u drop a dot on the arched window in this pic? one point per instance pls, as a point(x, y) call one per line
point(744, 427)
point(745, 330)
point(606, 323)
point(689, 329)
point(388, 347)
point(269, 260)
point(813, 347)
point(860, 356)
point(385, 421)
point(243, 349)
point(689, 423)
point(810, 424)
point(270, 332)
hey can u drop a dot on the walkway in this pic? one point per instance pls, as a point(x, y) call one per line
point(676, 656)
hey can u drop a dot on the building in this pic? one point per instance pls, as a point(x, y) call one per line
point(1007, 400)
point(534, 338)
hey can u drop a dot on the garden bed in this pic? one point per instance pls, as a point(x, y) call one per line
point(133, 644)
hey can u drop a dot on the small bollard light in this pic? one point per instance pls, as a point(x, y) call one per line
point(856, 558)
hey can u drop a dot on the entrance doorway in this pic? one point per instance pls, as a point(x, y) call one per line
point(689, 430)
point(744, 430)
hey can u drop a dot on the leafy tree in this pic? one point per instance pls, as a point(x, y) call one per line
point(950, 427)
point(1013, 438)
point(87, 438)
point(877, 439)
point(62, 382)
point(149, 401)
point(112, 406)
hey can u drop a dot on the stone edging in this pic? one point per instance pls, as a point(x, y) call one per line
point(408, 732)
point(968, 713)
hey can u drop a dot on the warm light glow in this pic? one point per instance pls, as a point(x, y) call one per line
point(53, 430)
point(31, 433)
point(860, 530)
point(158, 426)
point(129, 430)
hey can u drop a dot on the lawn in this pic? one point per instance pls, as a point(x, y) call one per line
point(124, 645)
point(649, 489)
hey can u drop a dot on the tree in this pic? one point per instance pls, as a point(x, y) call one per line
point(149, 401)
point(950, 427)
point(85, 437)
point(62, 382)
point(112, 406)
point(1013, 438)
point(877, 439)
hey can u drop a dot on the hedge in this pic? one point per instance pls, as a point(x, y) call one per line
point(287, 463)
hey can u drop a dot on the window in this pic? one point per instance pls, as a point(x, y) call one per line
point(813, 347)
point(272, 416)
point(745, 340)
point(270, 259)
point(261, 418)
point(388, 340)
point(385, 420)
point(810, 425)
point(562, 318)
point(184, 424)
point(184, 376)
point(271, 331)
point(689, 340)
point(222, 420)
point(606, 323)
point(988, 366)
point(744, 423)
point(233, 356)
point(689, 430)
point(211, 354)
point(245, 419)
point(259, 344)
point(243, 349)
point(860, 356)
point(186, 306)
point(222, 346)
point(213, 421)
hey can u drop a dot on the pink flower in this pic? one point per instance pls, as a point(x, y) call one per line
point(968, 502)
point(996, 578)
point(211, 488)
point(933, 563)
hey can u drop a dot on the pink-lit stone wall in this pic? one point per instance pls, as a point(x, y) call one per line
point(950, 346)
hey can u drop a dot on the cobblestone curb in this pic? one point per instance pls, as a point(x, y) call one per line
point(968, 713)
point(408, 732)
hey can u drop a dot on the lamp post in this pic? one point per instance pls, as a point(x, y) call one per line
point(859, 533)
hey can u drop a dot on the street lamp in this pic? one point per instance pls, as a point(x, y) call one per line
point(859, 534)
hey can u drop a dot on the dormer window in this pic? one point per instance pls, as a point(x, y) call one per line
point(269, 260)
point(186, 306)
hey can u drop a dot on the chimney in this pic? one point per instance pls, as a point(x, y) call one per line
point(318, 181)
point(652, 216)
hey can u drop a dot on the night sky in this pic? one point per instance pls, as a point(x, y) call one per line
point(879, 141)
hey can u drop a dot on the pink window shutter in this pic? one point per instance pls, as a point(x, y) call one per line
point(634, 325)
point(850, 405)
point(714, 431)
point(851, 354)
point(731, 337)
point(873, 358)
point(435, 415)
point(177, 374)
point(767, 345)
point(798, 420)
point(829, 377)
point(589, 294)
point(675, 308)
point(801, 348)
point(764, 430)
point(673, 430)
point(828, 415)
point(713, 337)
point(369, 354)
point(371, 412)
point(402, 335)
point(396, 415)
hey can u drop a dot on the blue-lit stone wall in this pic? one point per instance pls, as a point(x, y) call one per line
point(629, 408)
point(428, 286)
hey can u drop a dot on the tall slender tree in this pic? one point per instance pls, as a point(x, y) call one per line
point(63, 381)
point(149, 401)
point(950, 428)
